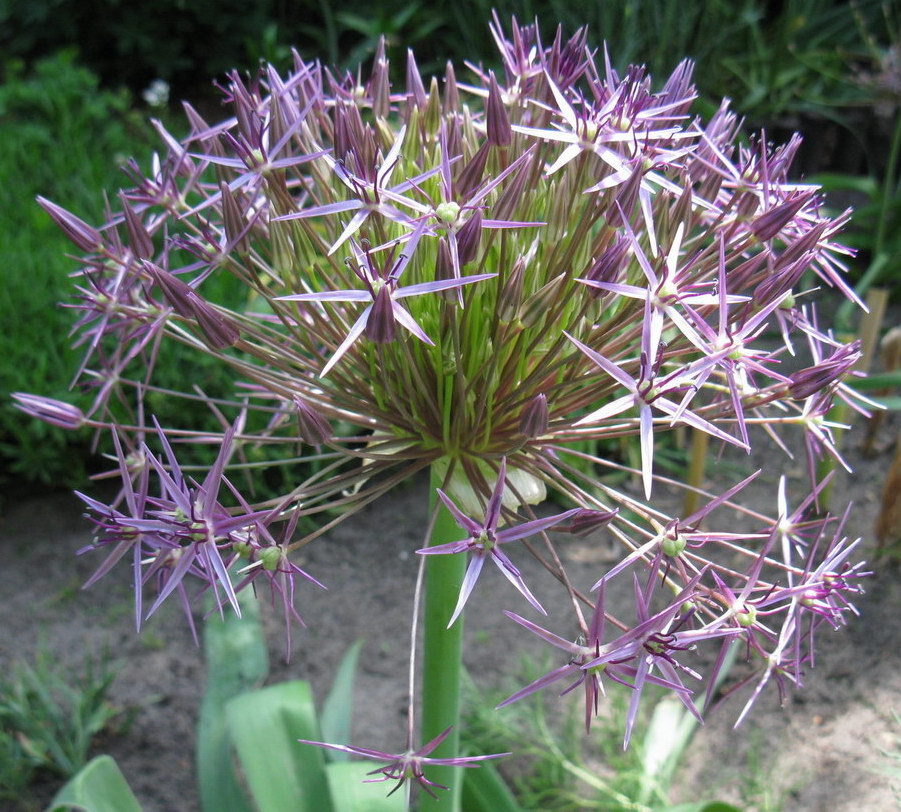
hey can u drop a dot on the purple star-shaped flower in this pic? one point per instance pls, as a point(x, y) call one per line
point(380, 317)
point(485, 539)
point(401, 766)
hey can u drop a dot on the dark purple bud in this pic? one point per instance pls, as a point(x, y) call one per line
point(454, 136)
point(177, 293)
point(769, 224)
point(312, 427)
point(218, 331)
point(52, 411)
point(140, 241)
point(201, 131)
point(444, 268)
point(566, 63)
point(451, 94)
point(379, 83)
point(533, 421)
point(84, 236)
point(468, 238)
point(801, 246)
point(810, 380)
point(627, 197)
point(500, 134)
point(679, 89)
point(415, 89)
point(380, 325)
point(444, 264)
point(249, 124)
point(780, 282)
point(682, 211)
point(586, 521)
point(514, 189)
point(343, 139)
point(471, 176)
point(609, 265)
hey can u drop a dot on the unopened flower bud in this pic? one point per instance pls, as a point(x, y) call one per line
point(533, 421)
point(471, 176)
point(500, 134)
point(86, 237)
point(608, 266)
point(233, 220)
point(586, 521)
point(379, 85)
point(218, 331)
point(380, 325)
point(510, 297)
point(810, 380)
point(468, 238)
point(538, 304)
point(140, 241)
point(512, 195)
point(770, 223)
point(52, 411)
point(415, 90)
point(312, 427)
point(451, 94)
point(283, 253)
point(432, 116)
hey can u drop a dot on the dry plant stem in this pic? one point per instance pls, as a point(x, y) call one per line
point(870, 325)
point(697, 464)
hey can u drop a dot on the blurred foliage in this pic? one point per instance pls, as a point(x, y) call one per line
point(770, 58)
point(62, 137)
point(65, 137)
point(48, 720)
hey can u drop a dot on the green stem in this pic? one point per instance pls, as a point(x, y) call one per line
point(442, 654)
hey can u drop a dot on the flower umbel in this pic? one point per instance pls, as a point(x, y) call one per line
point(523, 285)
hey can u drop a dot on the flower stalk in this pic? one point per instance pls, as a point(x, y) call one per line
point(442, 656)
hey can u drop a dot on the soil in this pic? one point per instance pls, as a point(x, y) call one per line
point(822, 751)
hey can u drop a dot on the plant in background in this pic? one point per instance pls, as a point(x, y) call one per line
point(480, 280)
point(49, 720)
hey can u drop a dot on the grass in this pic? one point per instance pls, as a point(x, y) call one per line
point(48, 720)
point(558, 766)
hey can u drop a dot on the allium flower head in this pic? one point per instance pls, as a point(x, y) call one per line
point(513, 280)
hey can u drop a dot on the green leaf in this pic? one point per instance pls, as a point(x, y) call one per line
point(881, 380)
point(893, 404)
point(98, 787)
point(484, 790)
point(282, 774)
point(833, 181)
point(702, 806)
point(237, 661)
point(350, 793)
point(337, 709)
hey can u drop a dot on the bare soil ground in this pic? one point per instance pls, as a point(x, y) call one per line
point(821, 752)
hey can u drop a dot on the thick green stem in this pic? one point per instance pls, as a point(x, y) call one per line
point(442, 654)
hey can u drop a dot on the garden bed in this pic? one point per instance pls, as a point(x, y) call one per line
point(822, 751)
